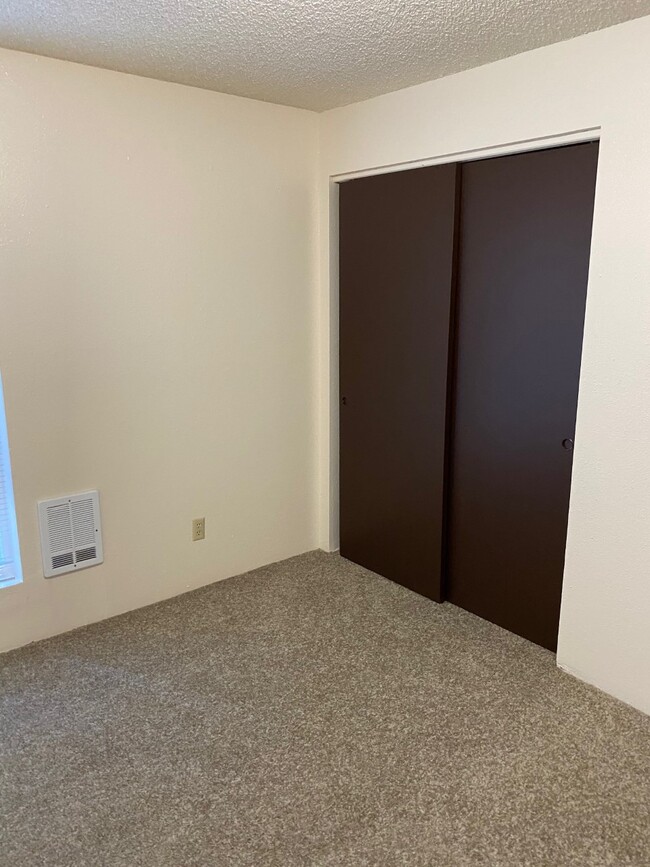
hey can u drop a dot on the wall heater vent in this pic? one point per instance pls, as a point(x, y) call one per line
point(71, 533)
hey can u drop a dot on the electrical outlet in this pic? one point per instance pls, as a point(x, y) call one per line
point(198, 529)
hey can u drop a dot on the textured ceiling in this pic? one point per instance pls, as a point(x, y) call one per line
point(310, 53)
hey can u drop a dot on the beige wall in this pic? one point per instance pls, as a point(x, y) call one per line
point(597, 81)
point(157, 313)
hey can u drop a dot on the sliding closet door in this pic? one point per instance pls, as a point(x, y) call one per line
point(396, 262)
point(523, 263)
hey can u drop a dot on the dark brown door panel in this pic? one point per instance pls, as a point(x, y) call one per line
point(396, 263)
point(525, 234)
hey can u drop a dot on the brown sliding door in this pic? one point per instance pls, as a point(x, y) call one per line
point(462, 301)
point(525, 232)
point(396, 261)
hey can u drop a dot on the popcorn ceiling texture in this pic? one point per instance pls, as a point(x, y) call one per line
point(314, 54)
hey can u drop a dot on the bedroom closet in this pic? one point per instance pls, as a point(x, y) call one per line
point(462, 301)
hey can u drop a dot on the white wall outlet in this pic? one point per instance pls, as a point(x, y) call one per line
point(198, 529)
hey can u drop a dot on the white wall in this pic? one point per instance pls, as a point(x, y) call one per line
point(599, 80)
point(157, 312)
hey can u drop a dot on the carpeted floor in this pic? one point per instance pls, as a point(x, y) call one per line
point(312, 713)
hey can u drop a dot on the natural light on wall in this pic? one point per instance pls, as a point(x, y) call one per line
point(10, 570)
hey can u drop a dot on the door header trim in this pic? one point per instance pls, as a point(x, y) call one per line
point(577, 136)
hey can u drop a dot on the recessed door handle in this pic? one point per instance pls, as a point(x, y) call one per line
point(567, 444)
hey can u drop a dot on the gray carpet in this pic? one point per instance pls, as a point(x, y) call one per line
point(312, 713)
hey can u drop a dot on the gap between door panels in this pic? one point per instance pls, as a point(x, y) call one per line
point(452, 360)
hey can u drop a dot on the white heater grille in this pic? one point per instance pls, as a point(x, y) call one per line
point(71, 534)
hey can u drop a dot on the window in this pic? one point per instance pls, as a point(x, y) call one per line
point(10, 570)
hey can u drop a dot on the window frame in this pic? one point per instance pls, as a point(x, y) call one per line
point(5, 462)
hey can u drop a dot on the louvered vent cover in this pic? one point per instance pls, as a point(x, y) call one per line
point(71, 533)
